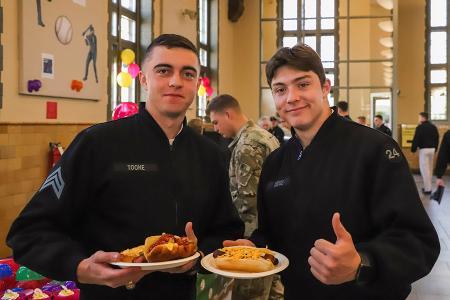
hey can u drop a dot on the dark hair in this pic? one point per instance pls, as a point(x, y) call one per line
point(343, 105)
point(301, 57)
point(379, 117)
point(196, 124)
point(170, 41)
point(222, 102)
point(424, 115)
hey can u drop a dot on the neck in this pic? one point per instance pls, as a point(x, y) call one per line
point(170, 125)
point(240, 122)
point(306, 135)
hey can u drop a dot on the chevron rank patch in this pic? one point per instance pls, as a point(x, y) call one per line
point(55, 181)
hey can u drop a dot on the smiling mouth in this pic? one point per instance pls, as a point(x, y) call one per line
point(174, 95)
point(296, 109)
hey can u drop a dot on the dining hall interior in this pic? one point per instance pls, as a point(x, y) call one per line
point(70, 64)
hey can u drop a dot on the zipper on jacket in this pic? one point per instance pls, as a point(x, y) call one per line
point(174, 197)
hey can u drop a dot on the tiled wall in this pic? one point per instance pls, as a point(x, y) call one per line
point(24, 152)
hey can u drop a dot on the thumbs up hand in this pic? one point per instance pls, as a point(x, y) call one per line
point(335, 263)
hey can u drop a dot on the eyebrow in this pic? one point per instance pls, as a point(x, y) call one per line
point(295, 80)
point(171, 67)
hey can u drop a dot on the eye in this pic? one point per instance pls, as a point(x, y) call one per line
point(189, 75)
point(303, 84)
point(162, 71)
point(279, 90)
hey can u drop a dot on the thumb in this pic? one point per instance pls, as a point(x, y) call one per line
point(190, 232)
point(339, 229)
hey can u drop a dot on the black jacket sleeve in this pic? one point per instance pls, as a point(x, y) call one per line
point(415, 140)
point(225, 221)
point(443, 156)
point(404, 243)
point(43, 235)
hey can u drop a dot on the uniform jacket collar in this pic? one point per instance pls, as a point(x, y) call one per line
point(248, 124)
point(149, 121)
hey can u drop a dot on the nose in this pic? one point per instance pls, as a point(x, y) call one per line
point(292, 96)
point(175, 81)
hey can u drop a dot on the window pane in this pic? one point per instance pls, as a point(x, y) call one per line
point(327, 8)
point(439, 103)
point(327, 24)
point(129, 4)
point(114, 83)
point(309, 9)
point(438, 76)
point(114, 24)
point(438, 53)
point(289, 11)
point(309, 24)
point(127, 29)
point(331, 77)
point(327, 51)
point(203, 57)
point(438, 13)
point(289, 41)
point(201, 106)
point(310, 41)
point(203, 21)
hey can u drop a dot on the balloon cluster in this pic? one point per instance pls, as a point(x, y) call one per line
point(125, 78)
point(125, 109)
point(205, 87)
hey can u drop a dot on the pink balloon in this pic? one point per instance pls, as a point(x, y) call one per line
point(134, 70)
point(209, 91)
point(125, 109)
point(206, 81)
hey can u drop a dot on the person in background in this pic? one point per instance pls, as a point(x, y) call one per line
point(122, 181)
point(249, 149)
point(379, 125)
point(264, 123)
point(197, 125)
point(426, 139)
point(358, 232)
point(361, 120)
point(286, 129)
point(342, 108)
point(443, 159)
point(276, 130)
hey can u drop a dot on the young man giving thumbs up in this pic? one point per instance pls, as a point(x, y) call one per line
point(338, 199)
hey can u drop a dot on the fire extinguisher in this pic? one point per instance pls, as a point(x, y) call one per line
point(56, 150)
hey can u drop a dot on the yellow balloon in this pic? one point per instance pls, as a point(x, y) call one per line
point(127, 56)
point(124, 79)
point(201, 91)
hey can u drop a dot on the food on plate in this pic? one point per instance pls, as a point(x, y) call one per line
point(158, 248)
point(135, 254)
point(245, 259)
point(168, 247)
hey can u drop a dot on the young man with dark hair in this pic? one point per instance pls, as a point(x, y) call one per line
point(379, 125)
point(426, 139)
point(369, 240)
point(249, 149)
point(122, 181)
point(276, 129)
point(342, 108)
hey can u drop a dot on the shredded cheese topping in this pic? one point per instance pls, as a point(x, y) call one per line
point(244, 252)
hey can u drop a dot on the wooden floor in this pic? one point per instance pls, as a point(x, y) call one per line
point(436, 286)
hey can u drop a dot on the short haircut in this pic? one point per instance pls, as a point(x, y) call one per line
point(170, 41)
point(424, 115)
point(379, 117)
point(196, 124)
point(343, 105)
point(300, 57)
point(362, 118)
point(222, 102)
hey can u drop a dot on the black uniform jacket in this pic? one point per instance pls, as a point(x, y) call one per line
point(443, 156)
point(425, 136)
point(362, 174)
point(116, 184)
point(384, 129)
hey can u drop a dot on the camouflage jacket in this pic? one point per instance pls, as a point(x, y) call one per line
point(249, 149)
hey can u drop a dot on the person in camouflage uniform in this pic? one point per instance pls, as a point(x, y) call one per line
point(250, 146)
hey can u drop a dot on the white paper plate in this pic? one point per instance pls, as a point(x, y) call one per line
point(158, 265)
point(209, 264)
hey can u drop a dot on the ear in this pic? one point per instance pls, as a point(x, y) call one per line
point(143, 80)
point(199, 81)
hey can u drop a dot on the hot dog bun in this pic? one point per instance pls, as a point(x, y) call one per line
point(245, 259)
point(168, 247)
point(131, 255)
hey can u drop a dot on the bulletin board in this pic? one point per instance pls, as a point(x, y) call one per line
point(59, 52)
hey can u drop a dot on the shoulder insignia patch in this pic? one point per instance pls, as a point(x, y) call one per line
point(55, 181)
point(392, 153)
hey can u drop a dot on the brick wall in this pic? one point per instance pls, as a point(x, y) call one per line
point(24, 150)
